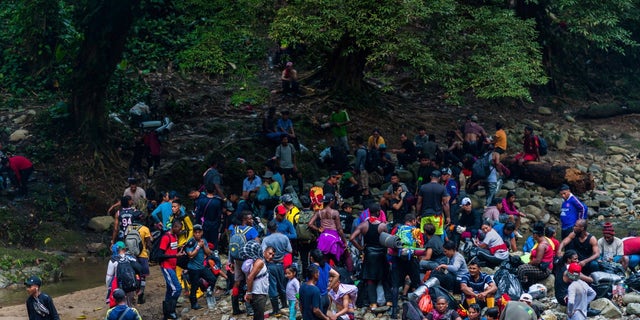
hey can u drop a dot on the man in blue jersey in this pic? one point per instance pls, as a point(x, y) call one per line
point(572, 210)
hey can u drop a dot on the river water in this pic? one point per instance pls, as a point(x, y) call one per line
point(76, 276)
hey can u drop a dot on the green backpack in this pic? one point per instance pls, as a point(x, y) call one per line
point(302, 226)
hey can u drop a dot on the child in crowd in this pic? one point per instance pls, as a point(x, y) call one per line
point(474, 312)
point(492, 314)
point(293, 286)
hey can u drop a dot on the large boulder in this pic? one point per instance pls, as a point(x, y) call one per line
point(631, 297)
point(18, 135)
point(100, 223)
point(607, 308)
point(633, 308)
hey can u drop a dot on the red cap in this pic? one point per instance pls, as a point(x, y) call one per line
point(281, 210)
point(574, 267)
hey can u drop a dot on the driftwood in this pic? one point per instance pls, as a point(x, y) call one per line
point(606, 110)
point(553, 176)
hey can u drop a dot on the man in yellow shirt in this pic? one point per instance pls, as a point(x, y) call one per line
point(143, 257)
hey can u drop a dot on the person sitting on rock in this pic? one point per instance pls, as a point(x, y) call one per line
point(531, 147)
point(407, 152)
point(507, 232)
point(585, 244)
point(541, 262)
point(493, 211)
point(468, 222)
point(477, 287)
point(611, 247)
point(455, 268)
point(510, 209)
point(492, 249)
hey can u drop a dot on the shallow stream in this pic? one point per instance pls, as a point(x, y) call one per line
point(76, 276)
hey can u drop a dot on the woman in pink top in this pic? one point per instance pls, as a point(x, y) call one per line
point(331, 240)
point(541, 262)
point(509, 207)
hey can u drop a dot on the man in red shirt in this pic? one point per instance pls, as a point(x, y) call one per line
point(169, 247)
point(22, 169)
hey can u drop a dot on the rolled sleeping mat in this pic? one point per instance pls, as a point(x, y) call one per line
point(390, 241)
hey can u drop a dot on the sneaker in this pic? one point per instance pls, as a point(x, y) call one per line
point(518, 234)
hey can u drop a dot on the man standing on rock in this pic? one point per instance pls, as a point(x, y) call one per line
point(572, 210)
point(433, 201)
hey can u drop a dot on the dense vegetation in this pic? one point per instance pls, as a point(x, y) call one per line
point(93, 55)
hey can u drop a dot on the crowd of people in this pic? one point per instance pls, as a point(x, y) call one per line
point(296, 251)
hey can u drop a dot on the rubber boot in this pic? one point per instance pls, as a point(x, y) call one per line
point(194, 304)
point(171, 309)
point(276, 309)
point(235, 305)
point(141, 298)
point(283, 301)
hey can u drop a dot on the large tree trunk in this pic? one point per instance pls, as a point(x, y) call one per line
point(106, 27)
point(346, 72)
point(553, 176)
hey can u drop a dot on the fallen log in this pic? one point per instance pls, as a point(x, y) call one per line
point(553, 176)
point(606, 110)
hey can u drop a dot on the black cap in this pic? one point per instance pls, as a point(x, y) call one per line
point(564, 187)
point(197, 227)
point(33, 280)
point(119, 294)
point(435, 174)
point(328, 198)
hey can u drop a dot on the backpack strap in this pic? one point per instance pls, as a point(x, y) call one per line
point(124, 313)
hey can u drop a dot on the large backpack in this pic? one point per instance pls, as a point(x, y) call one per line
point(237, 241)
point(126, 276)
point(411, 311)
point(156, 254)
point(482, 167)
point(133, 240)
point(543, 146)
point(302, 226)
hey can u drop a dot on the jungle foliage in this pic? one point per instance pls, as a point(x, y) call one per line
point(490, 49)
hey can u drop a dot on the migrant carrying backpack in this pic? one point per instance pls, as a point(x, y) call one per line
point(156, 254)
point(237, 241)
point(126, 275)
point(133, 240)
point(371, 161)
point(302, 226)
point(482, 167)
point(543, 146)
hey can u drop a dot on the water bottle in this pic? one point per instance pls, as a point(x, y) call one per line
point(215, 254)
point(211, 300)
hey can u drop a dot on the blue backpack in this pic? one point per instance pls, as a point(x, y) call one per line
point(543, 146)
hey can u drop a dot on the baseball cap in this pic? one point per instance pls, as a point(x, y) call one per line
point(525, 297)
point(465, 201)
point(197, 227)
point(287, 198)
point(564, 187)
point(281, 209)
point(268, 174)
point(435, 174)
point(173, 194)
point(445, 171)
point(33, 280)
point(328, 198)
point(573, 271)
point(120, 245)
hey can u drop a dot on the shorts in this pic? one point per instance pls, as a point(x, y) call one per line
point(499, 150)
point(526, 156)
point(436, 220)
point(144, 262)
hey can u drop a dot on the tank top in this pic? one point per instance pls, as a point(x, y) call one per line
point(261, 281)
point(547, 256)
point(583, 249)
point(372, 237)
